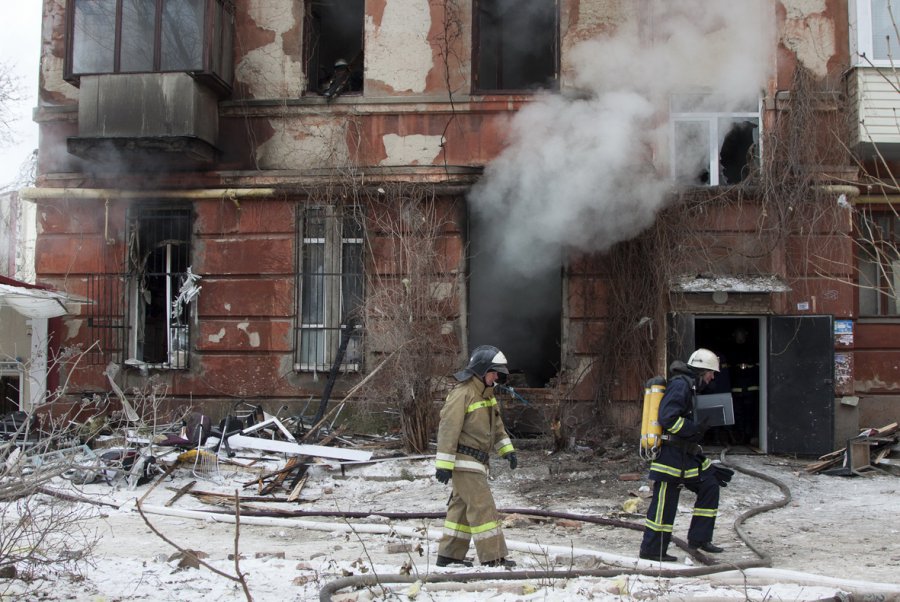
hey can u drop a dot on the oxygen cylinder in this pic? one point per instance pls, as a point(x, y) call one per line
point(651, 430)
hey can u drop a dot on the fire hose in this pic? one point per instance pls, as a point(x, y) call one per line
point(628, 565)
point(326, 593)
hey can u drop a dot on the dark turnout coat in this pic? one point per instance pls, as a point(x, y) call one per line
point(680, 458)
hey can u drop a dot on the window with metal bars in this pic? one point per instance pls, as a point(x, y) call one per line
point(142, 316)
point(330, 287)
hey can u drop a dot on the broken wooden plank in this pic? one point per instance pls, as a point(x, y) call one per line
point(291, 465)
point(228, 498)
point(887, 429)
point(180, 493)
point(822, 465)
point(295, 492)
point(298, 449)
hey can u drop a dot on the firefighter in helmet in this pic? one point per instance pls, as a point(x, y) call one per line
point(470, 426)
point(680, 463)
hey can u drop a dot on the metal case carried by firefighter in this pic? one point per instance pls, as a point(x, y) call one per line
point(717, 408)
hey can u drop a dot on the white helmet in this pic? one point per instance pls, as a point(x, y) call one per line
point(704, 359)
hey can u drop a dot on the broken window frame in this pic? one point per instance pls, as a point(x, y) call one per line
point(165, 267)
point(713, 120)
point(321, 50)
point(878, 262)
point(480, 83)
point(211, 62)
point(868, 47)
point(328, 304)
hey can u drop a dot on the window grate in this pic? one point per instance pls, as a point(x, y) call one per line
point(330, 289)
point(107, 324)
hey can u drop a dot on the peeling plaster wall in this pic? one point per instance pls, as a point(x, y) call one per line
point(808, 31)
point(54, 89)
point(269, 71)
point(302, 143)
point(397, 50)
point(252, 337)
point(411, 150)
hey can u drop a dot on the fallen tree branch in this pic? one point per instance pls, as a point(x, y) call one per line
point(73, 498)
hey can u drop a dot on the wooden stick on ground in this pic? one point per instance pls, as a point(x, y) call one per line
point(180, 493)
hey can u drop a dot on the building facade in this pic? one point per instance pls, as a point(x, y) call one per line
point(249, 194)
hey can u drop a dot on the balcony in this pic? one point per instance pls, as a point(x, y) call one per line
point(146, 120)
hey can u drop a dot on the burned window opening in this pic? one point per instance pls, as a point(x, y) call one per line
point(879, 263)
point(330, 288)
point(159, 251)
point(516, 45)
point(334, 47)
point(710, 147)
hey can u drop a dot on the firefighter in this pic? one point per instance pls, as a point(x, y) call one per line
point(680, 463)
point(470, 426)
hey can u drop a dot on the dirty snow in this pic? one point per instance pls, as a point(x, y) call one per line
point(838, 534)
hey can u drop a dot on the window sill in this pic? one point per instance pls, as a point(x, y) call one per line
point(308, 368)
point(895, 319)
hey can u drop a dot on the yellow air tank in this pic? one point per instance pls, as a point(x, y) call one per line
point(651, 430)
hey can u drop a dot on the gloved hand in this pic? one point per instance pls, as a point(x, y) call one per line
point(703, 426)
point(513, 460)
point(723, 474)
point(443, 475)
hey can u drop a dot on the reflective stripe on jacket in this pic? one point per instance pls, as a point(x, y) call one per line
point(470, 417)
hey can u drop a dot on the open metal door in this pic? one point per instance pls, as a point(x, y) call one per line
point(801, 385)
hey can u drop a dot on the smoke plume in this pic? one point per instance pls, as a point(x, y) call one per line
point(588, 167)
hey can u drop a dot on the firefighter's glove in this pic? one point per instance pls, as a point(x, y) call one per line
point(723, 474)
point(443, 475)
point(703, 426)
point(513, 460)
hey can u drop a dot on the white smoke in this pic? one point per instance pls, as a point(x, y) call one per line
point(589, 170)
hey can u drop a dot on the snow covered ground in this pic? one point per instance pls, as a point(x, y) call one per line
point(837, 534)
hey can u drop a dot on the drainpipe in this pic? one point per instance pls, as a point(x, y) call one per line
point(34, 194)
point(851, 191)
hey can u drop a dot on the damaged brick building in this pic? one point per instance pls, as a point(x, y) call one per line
point(214, 174)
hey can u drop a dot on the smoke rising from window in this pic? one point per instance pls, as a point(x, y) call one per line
point(589, 167)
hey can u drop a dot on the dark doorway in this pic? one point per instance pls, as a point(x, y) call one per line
point(519, 313)
point(737, 343)
point(790, 378)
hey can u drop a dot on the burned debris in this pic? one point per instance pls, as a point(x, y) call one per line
point(873, 449)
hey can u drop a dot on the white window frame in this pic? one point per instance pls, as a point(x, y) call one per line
point(711, 118)
point(862, 49)
point(879, 268)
